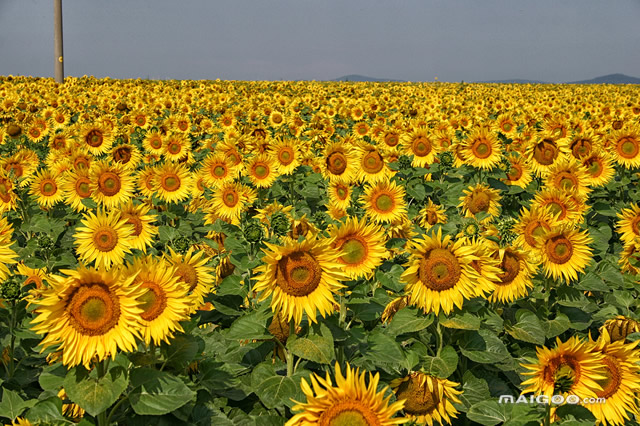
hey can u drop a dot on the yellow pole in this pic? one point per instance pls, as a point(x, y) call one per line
point(57, 40)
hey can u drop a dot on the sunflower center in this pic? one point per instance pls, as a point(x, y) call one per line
point(342, 192)
point(535, 229)
point(230, 198)
point(628, 147)
point(285, 156)
point(510, 268)
point(545, 152)
point(82, 187)
point(557, 208)
point(581, 147)
point(5, 190)
point(566, 180)
point(348, 413)
point(594, 167)
point(187, 274)
point(298, 274)
point(109, 184)
point(384, 203)
point(355, 251)
point(105, 238)
point(391, 139)
point(80, 163)
point(431, 217)
point(122, 154)
point(481, 148)
point(506, 126)
point(219, 170)
point(134, 220)
point(14, 168)
point(155, 143)
point(174, 148)
point(563, 372)
point(372, 162)
point(612, 383)
point(183, 125)
point(336, 163)
point(515, 172)
point(439, 270)
point(153, 302)
point(479, 202)
point(261, 170)
point(94, 138)
point(93, 309)
point(48, 187)
point(559, 249)
point(421, 147)
point(170, 182)
point(419, 400)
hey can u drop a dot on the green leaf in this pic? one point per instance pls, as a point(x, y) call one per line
point(489, 413)
point(167, 233)
point(51, 377)
point(592, 282)
point(484, 347)
point(474, 389)
point(48, 412)
point(577, 414)
point(13, 405)
point(604, 209)
point(316, 347)
point(157, 392)
point(528, 328)
point(181, 350)
point(601, 237)
point(556, 326)
point(274, 391)
point(444, 365)
point(92, 393)
point(464, 321)
point(384, 350)
point(408, 320)
point(251, 326)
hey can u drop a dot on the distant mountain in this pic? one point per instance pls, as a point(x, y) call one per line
point(514, 81)
point(363, 78)
point(609, 79)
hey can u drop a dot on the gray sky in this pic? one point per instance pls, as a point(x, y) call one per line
point(416, 40)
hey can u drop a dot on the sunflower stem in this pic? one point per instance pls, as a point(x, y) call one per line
point(115, 407)
point(289, 354)
point(547, 415)
point(12, 344)
point(439, 331)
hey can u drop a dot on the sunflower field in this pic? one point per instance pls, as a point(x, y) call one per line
point(318, 253)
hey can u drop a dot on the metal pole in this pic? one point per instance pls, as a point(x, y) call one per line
point(57, 40)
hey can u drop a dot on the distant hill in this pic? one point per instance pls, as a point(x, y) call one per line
point(363, 78)
point(514, 81)
point(609, 79)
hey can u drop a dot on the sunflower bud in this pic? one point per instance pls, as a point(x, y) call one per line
point(280, 223)
point(404, 162)
point(446, 159)
point(470, 229)
point(505, 231)
point(10, 289)
point(181, 244)
point(253, 232)
point(45, 242)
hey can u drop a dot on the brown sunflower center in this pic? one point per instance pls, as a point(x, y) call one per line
point(372, 162)
point(431, 217)
point(566, 180)
point(94, 138)
point(355, 250)
point(479, 202)
point(153, 302)
point(421, 147)
point(183, 125)
point(122, 154)
point(581, 148)
point(391, 139)
point(348, 413)
point(559, 249)
point(134, 220)
point(285, 155)
point(556, 207)
point(545, 152)
point(170, 182)
point(298, 274)
point(535, 228)
point(628, 147)
point(384, 203)
point(109, 183)
point(419, 400)
point(594, 167)
point(342, 192)
point(105, 238)
point(155, 142)
point(187, 274)
point(439, 270)
point(261, 170)
point(80, 163)
point(481, 148)
point(5, 189)
point(15, 168)
point(93, 309)
point(612, 383)
point(230, 198)
point(515, 172)
point(510, 268)
point(82, 187)
point(48, 187)
point(174, 148)
point(563, 372)
point(336, 163)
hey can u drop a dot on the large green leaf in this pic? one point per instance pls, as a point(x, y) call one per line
point(489, 413)
point(464, 321)
point(48, 412)
point(92, 393)
point(317, 347)
point(527, 328)
point(444, 365)
point(274, 391)
point(408, 320)
point(483, 346)
point(556, 326)
point(12, 405)
point(474, 390)
point(251, 326)
point(157, 392)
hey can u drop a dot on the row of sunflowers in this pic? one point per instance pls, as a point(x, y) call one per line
point(225, 252)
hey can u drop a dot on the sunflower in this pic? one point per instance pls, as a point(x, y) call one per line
point(153, 142)
point(90, 313)
point(361, 246)
point(514, 279)
point(22, 165)
point(193, 274)
point(217, 169)
point(110, 185)
point(532, 224)
point(560, 204)
point(599, 167)
point(7, 257)
point(419, 144)
point(572, 367)
point(164, 301)
point(432, 214)
point(622, 380)
point(350, 402)
point(96, 138)
point(620, 327)
point(139, 218)
point(105, 238)
point(172, 182)
point(340, 162)
point(628, 224)
point(300, 277)
point(569, 176)
point(8, 198)
point(545, 151)
point(302, 227)
point(384, 202)
point(564, 252)
point(340, 194)
point(480, 199)
point(177, 148)
point(76, 186)
point(145, 182)
point(228, 203)
point(482, 149)
point(427, 399)
point(584, 144)
point(630, 256)
point(626, 146)
point(126, 154)
point(439, 274)
point(285, 154)
point(519, 173)
point(46, 188)
point(262, 171)
point(372, 167)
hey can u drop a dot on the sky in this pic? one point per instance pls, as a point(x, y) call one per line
point(412, 40)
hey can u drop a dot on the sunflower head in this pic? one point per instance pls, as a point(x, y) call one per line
point(427, 398)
